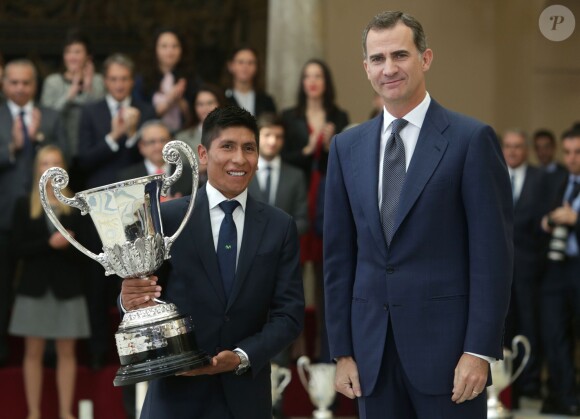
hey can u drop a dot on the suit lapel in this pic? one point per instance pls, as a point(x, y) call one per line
point(282, 189)
point(203, 239)
point(254, 226)
point(429, 150)
point(365, 152)
point(254, 189)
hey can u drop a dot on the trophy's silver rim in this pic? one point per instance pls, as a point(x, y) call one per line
point(137, 181)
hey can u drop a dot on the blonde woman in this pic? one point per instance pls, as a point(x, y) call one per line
point(49, 302)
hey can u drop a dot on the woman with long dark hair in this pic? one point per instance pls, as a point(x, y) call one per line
point(166, 81)
point(309, 128)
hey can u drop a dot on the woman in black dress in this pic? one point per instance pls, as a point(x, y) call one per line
point(49, 301)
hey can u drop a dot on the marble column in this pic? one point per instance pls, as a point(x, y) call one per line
point(295, 34)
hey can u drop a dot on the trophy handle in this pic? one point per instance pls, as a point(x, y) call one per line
point(302, 365)
point(59, 180)
point(527, 349)
point(172, 156)
point(287, 376)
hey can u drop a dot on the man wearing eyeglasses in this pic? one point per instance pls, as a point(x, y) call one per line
point(153, 136)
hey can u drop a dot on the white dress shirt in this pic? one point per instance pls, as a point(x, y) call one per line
point(15, 111)
point(246, 100)
point(262, 176)
point(517, 177)
point(152, 168)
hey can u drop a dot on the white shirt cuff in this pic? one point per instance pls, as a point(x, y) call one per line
point(131, 140)
point(244, 352)
point(111, 143)
point(487, 358)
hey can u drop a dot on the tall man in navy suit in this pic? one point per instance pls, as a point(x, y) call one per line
point(245, 317)
point(418, 247)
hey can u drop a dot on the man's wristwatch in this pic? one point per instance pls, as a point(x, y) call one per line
point(244, 362)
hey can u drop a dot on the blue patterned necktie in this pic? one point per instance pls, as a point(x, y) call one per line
point(574, 192)
point(227, 247)
point(394, 172)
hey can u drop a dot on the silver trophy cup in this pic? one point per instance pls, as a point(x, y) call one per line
point(502, 377)
point(152, 342)
point(318, 380)
point(280, 378)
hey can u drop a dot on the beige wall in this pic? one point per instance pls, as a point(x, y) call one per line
point(490, 60)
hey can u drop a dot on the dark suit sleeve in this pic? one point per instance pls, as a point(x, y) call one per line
point(488, 206)
point(340, 257)
point(301, 205)
point(93, 149)
point(286, 317)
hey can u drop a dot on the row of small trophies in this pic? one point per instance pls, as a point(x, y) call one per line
point(159, 341)
point(318, 380)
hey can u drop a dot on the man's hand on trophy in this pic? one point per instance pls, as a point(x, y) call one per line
point(225, 361)
point(139, 292)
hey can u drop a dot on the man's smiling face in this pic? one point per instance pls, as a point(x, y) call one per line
point(232, 160)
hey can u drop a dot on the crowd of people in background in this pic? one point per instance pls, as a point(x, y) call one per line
point(111, 126)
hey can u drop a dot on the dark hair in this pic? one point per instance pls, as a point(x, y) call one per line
point(544, 133)
point(269, 119)
point(76, 36)
point(212, 89)
point(151, 74)
point(226, 117)
point(329, 92)
point(256, 82)
point(387, 20)
point(573, 132)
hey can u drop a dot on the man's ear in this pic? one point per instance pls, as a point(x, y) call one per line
point(202, 153)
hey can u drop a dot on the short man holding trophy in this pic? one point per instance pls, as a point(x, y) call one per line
point(236, 271)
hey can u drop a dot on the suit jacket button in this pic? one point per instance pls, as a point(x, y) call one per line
point(386, 307)
point(390, 269)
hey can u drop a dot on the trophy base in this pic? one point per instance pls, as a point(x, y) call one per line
point(322, 414)
point(159, 368)
point(496, 410)
point(156, 342)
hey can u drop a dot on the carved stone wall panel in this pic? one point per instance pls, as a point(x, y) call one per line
point(211, 28)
